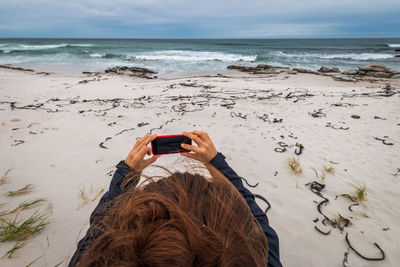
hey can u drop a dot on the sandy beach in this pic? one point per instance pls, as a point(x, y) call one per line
point(64, 134)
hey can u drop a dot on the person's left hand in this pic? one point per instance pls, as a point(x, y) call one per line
point(135, 159)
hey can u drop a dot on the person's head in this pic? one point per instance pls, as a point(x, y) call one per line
point(182, 220)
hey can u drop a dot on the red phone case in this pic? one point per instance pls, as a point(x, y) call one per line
point(163, 136)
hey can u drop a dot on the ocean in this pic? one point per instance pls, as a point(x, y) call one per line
point(176, 57)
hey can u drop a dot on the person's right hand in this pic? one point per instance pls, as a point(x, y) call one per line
point(205, 150)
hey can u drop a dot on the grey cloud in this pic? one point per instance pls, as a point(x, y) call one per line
point(235, 16)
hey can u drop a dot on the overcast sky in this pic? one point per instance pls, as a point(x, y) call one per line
point(199, 18)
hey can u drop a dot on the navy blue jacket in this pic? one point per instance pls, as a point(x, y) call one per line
point(218, 162)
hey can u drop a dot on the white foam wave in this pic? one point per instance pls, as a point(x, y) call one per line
point(351, 56)
point(393, 45)
point(361, 56)
point(81, 45)
point(24, 47)
point(181, 55)
point(95, 55)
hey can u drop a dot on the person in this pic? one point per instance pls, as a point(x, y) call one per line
point(182, 220)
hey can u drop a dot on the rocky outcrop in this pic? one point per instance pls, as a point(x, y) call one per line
point(326, 70)
point(300, 70)
point(259, 69)
point(15, 68)
point(376, 71)
point(132, 71)
point(344, 78)
point(351, 75)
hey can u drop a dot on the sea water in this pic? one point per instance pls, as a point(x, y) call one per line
point(174, 57)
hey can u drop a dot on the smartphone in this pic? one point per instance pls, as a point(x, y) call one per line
point(168, 144)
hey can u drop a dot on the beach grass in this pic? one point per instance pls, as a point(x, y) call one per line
point(330, 169)
point(294, 164)
point(321, 176)
point(27, 204)
point(84, 195)
point(359, 194)
point(12, 229)
point(31, 263)
point(22, 191)
point(58, 264)
point(17, 245)
point(342, 222)
point(3, 178)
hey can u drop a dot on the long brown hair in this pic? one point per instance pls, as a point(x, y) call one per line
point(184, 219)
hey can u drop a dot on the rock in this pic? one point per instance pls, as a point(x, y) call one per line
point(292, 72)
point(397, 50)
point(343, 78)
point(15, 68)
point(325, 69)
point(373, 68)
point(300, 70)
point(132, 71)
point(397, 56)
point(355, 116)
point(395, 72)
point(350, 72)
point(378, 74)
point(396, 76)
point(361, 72)
point(259, 69)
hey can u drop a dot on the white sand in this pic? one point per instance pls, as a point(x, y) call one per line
point(64, 155)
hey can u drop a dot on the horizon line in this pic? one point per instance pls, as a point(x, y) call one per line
point(197, 38)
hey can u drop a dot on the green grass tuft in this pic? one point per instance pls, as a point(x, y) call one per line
point(18, 245)
point(359, 195)
point(23, 206)
point(12, 229)
point(24, 190)
point(361, 192)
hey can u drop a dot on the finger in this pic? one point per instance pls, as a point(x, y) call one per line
point(140, 141)
point(190, 147)
point(148, 150)
point(194, 138)
point(202, 135)
point(151, 160)
point(146, 141)
point(142, 152)
point(190, 155)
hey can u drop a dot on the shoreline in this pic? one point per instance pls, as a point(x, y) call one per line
point(65, 133)
point(234, 71)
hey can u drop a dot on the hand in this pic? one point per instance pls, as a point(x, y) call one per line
point(205, 150)
point(135, 159)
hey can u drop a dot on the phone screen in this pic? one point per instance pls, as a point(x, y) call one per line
point(169, 144)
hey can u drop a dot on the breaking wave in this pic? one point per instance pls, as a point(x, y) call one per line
point(393, 45)
point(349, 56)
point(181, 55)
point(24, 47)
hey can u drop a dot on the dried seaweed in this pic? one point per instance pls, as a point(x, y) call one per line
point(366, 258)
point(244, 179)
point(265, 200)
